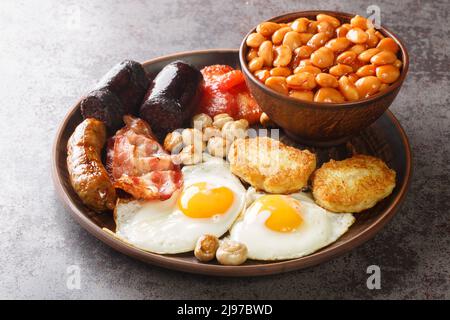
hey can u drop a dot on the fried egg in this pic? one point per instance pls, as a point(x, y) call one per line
point(279, 227)
point(209, 202)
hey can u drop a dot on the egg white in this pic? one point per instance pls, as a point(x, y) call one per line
point(160, 227)
point(318, 229)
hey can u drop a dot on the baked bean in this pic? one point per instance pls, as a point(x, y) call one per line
point(312, 27)
point(305, 62)
point(358, 48)
point(256, 64)
point(388, 44)
point(356, 64)
point(252, 53)
point(322, 57)
point(318, 40)
point(379, 35)
point(302, 94)
point(328, 95)
point(340, 70)
point(384, 57)
point(359, 22)
point(293, 40)
point(341, 32)
point(300, 25)
point(301, 81)
point(353, 77)
point(368, 54)
point(283, 56)
point(278, 36)
point(280, 71)
point(326, 80)
point(254, 40)
point(303, 52)
point(367, 86)
point(295, 61)
point(346, 57)
point(398, 63)
point(265, 51)
point(348, 89)
point(262, 75)
point(366, 70)
point(338, 44)
point(310, 69)
point(278, 84)
point(387, 73)
point(357, 35)
point(373, 40)
point(306, 37)
point(384, 86)
point(332, 20)
point(267, 28)
point(325, 27)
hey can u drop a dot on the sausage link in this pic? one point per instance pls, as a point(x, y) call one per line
point(87, 174)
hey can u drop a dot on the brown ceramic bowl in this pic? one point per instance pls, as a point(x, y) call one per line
point(321, 123)
point(384, 139)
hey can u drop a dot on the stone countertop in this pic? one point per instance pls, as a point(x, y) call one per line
point(50, 54)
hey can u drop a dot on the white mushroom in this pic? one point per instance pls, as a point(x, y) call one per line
point(265, 121)
point(231, 253)
point(192, 136)
point(190, 155)
point(235, 130)
point(201, 120)
point(206, 247)
point(221, 119)
point(218, 147)
point(173, 142)
point(210, 132)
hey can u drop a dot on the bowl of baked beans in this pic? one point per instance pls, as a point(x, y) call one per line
point(323, 76)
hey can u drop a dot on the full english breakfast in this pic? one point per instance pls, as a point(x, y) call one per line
point(179, 160)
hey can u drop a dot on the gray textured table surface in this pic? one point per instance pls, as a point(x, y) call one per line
point(52, 53)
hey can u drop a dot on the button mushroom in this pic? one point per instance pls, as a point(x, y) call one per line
point(210, 132)
point(235, 130)
point(221, 119)
point(201, 121)
point(173, 142)
point(206, 247)
point(192, 136)
point(190, 155)
point(218, 147)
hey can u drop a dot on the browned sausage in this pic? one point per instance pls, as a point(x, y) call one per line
point(87, 174)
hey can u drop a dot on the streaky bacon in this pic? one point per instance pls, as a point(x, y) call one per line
point(140, 165)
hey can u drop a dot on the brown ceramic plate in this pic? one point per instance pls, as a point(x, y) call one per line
point(384, 139)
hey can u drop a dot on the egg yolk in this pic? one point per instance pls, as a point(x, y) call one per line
point(201, 200)
point(284, 214)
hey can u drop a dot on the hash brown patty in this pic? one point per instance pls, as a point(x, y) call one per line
point(352, 185)
point(270, 165)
